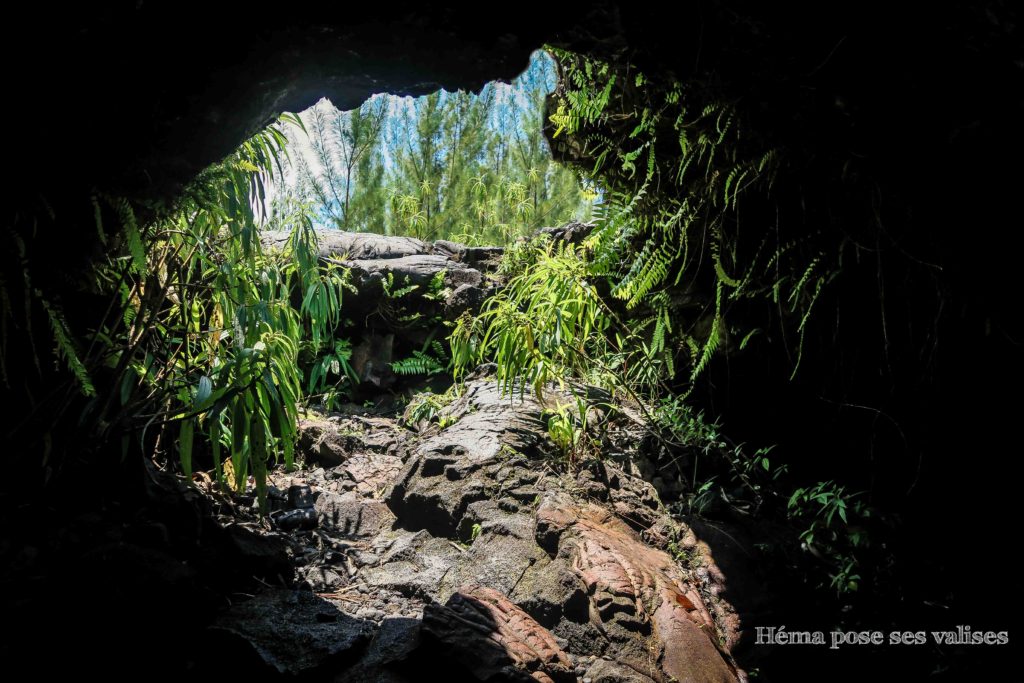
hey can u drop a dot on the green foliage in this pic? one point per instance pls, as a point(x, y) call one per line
point(422, 362)
point(65, 347)
point(392, 306)
point(567, 429)
point(201, 341)
point(334, 364)
point(436, 290)
point(677, 165)
point(545, 325)
point(427, 407)
point(832, 530)
point(550, 323)
point(685, 425)
point(684, 557)
point(392, 291)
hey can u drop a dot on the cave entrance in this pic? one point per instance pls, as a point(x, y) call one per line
point(473, 168)
point(464, 174)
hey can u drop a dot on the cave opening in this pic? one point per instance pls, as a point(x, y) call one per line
point(875, 424)
point(473, 168)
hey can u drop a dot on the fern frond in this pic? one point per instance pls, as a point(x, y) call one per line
point(65, 347)
point(650, 269)
point(714, 337)
point(418, 364)
point(802, 328)
point(133, 236)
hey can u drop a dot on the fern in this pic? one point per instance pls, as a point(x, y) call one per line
point(802, 327)
point(392, 292)
point(650, 268)
point(419, 363)
point(804, 277)
point(714, 337)
point(750, 335)
point(133, 237)
point(65, 347)
point(716, 257)
point(661, 220)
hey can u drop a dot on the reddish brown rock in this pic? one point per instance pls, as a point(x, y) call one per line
point(636, 588)
point(492, 637)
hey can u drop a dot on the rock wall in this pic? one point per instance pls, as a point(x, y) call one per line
point(402, 292)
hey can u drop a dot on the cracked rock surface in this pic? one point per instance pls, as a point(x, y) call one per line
point(478, 552)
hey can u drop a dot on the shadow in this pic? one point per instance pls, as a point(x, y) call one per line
point(284, 633)
point(482, 636)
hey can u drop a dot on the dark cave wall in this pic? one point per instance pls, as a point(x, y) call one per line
point(143, 96)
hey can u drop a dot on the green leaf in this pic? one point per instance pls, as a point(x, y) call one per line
point(185, 446)
point(215, 447)
point(239, 429)
point(127, 384)
point(204, 390)
point(258, 458)
point(748, 337)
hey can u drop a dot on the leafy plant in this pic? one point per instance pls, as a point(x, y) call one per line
point(336, 364)
point(685, 424)
point(427, 406)
point(393, 290)
point(393, 305)
point(702, 496)
point(826, 510)
point(545, 325)
point(200, 342)
point(436, 289)
point(682, 556)
point(676, 165)
point(568, 430)
point(423, 362)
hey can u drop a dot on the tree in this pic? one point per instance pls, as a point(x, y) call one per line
point(341, 145)
point(472, 167)
point(419, 167)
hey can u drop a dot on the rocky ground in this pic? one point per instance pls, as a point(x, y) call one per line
point(476, 551)
point(447, 538)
